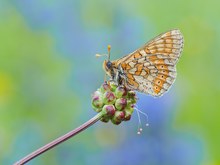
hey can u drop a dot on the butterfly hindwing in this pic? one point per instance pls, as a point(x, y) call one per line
point(151, 69)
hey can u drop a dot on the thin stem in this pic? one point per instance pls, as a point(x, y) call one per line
point(59, 140)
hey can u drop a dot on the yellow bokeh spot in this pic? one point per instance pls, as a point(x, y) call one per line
point(5, 86)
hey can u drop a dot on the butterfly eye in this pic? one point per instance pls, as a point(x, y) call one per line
point(109, 65)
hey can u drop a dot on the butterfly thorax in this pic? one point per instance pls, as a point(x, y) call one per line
point(114, 71)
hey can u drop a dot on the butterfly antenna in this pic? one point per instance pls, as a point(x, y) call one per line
point(100, 55)
point(108, 55)
point(109, 49)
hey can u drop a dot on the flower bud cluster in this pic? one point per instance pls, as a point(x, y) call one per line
point(115, 102)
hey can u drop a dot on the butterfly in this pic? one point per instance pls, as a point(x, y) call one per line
point(150, 69)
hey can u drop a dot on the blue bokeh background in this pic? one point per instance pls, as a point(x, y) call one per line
point(48, 71)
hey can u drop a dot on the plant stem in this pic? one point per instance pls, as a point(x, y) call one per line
point(59, 140)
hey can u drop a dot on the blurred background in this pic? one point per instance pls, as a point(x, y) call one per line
point(48, 72)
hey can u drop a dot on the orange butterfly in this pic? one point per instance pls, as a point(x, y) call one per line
point(150, 69)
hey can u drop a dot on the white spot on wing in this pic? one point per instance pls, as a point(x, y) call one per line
point(151, 67)
point(172, 74)
point(150, 78)
point(132, 64)
point(143, 53)
point(146, 63)
point(132, 71)
point(141, 60)
point(166, 86)
point(172, 68)
point(143, 73)
point(169, 80)
point(174, 32)
point(159, 42)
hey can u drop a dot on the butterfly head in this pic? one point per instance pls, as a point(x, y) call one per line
point(107, 64)
point(108, 67)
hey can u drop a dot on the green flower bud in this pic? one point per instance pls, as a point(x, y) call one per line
point(130, 103)
point(96, 109)
point(115, 121)
point(120, 103)
point(132, 95)
point(120, 91)
point(129, 109)
point(108, 110)
point(115, 103)
point(109, 97)
point(113, 87)
point(127, 115)
point(97, 101)
point(132, 98)
point(119, 115)
point(105, 119)
point(105, 87)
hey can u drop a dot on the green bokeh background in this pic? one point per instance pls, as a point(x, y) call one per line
point(48, 72)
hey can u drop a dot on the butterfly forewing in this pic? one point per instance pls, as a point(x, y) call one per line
point(151, 69)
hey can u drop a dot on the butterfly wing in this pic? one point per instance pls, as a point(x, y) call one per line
point(151, 69)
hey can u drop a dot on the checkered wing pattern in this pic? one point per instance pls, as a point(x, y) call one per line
point(151, 69)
